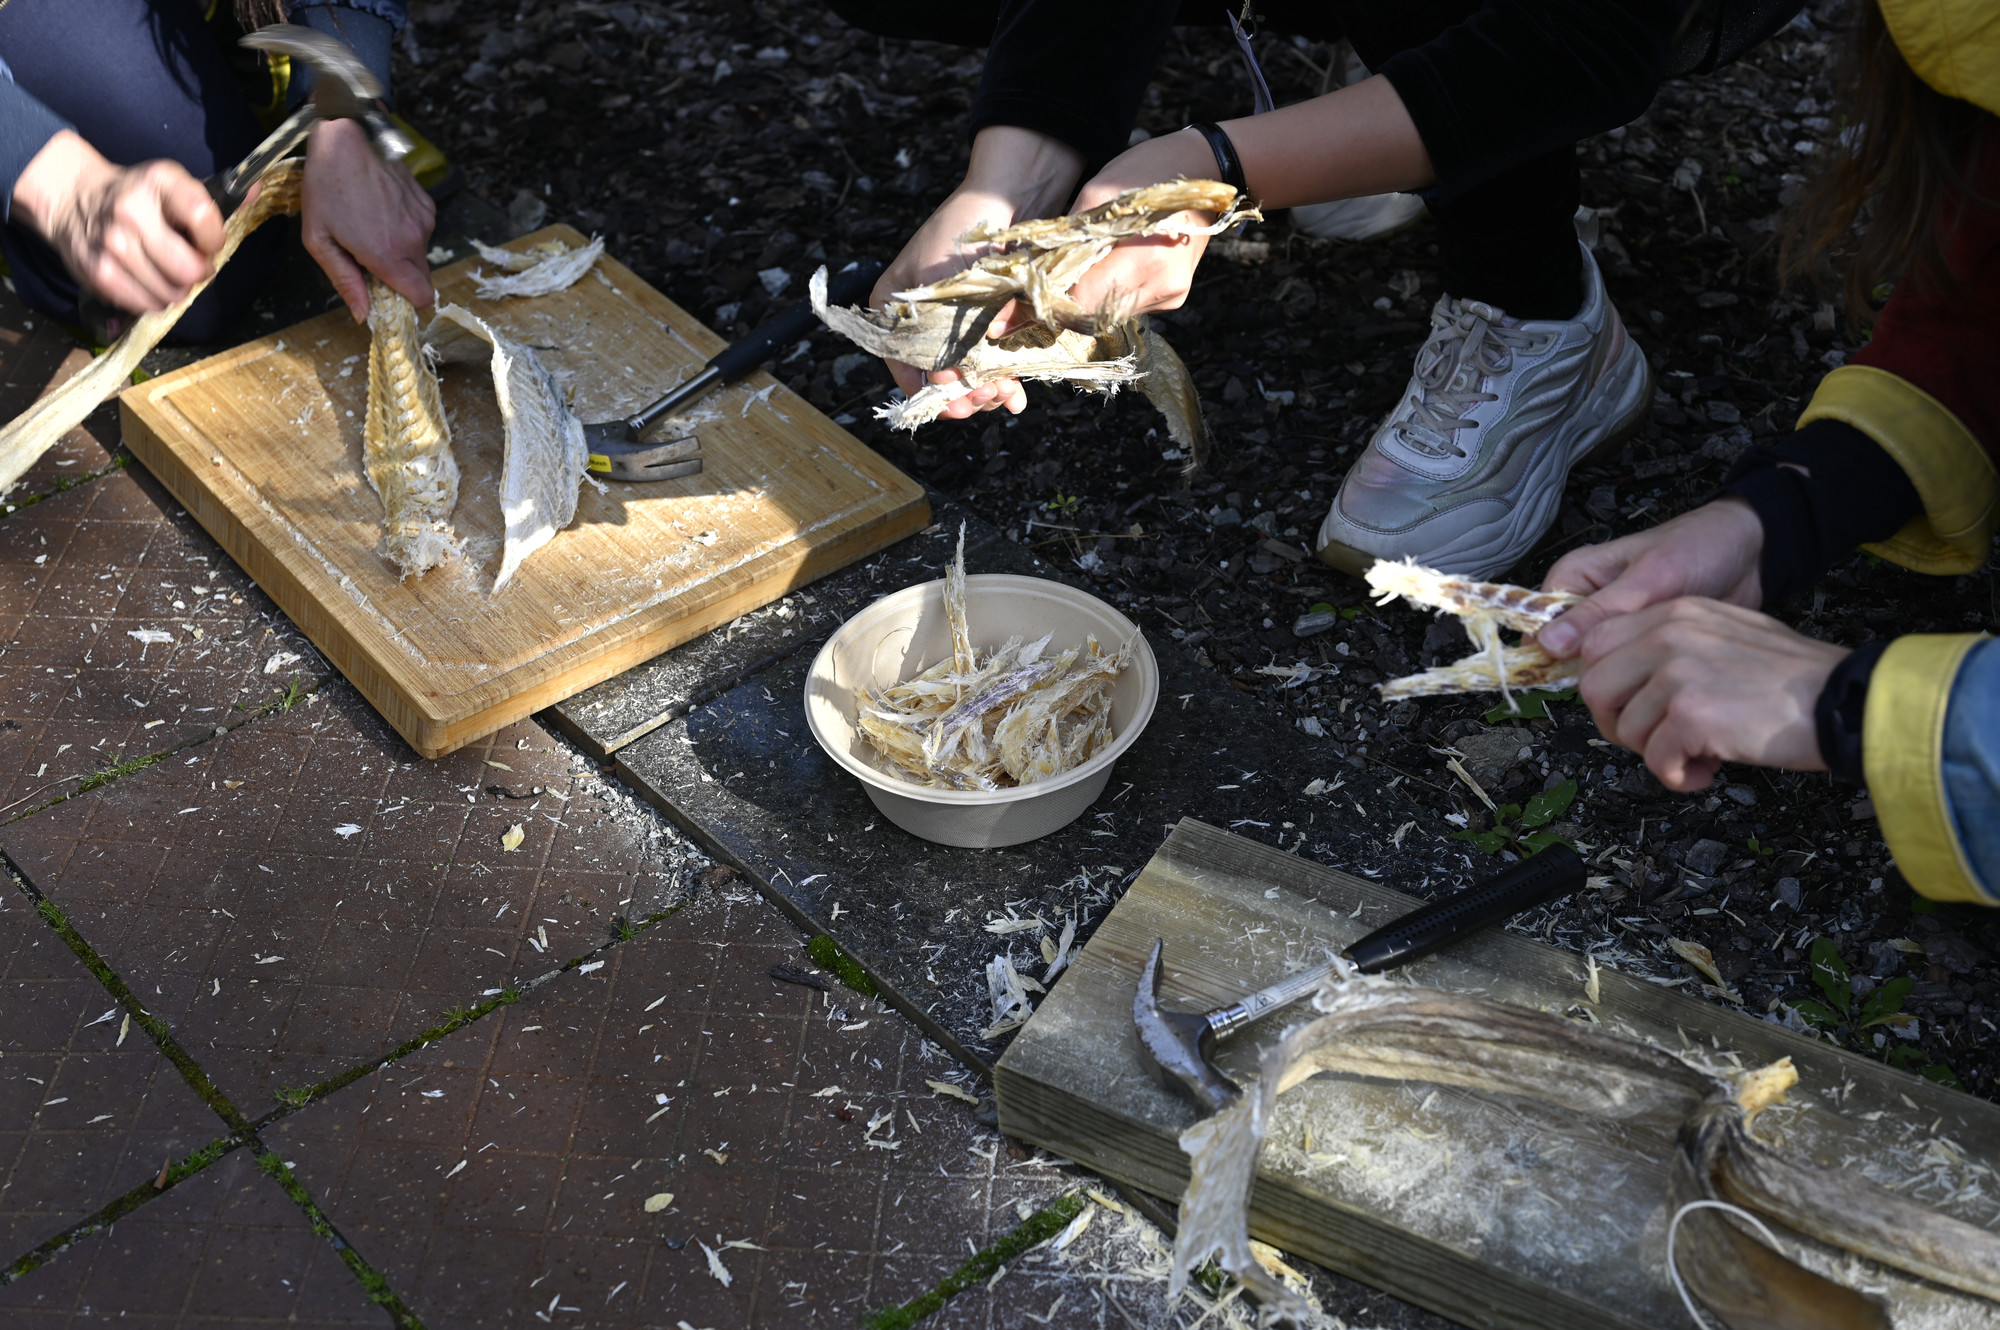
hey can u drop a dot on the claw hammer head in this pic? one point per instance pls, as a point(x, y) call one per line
point(343, 87)
point(1176, 1045)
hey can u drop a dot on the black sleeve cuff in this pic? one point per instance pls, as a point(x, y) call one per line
point(1855, 494)
point(1838, 713)
point(1074, 72)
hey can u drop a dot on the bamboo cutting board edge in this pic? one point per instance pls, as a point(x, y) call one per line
point(172, 446)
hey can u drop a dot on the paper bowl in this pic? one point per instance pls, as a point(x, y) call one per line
point(904, 634)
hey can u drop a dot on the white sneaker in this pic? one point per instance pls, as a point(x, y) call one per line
point(1358, 219)
point(1467, 472)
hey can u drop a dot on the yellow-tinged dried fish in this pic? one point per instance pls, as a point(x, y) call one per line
point(406, 444)
point(34, 431)
point(1371, 1027)
point(539, 270)
point(943, 325)
point(987, 721)
point(546, 457)
point(1484, 608)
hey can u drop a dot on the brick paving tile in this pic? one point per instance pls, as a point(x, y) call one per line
point(83, 1117)
point(36, 355)
point(505, 1169)
point(124, 630)
point(304, 894)
point(224, 1247)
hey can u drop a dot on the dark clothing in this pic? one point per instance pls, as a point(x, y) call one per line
point(139, 80)
point(1500, 91)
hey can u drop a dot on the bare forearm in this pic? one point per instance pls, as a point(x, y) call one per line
point(1359, 140)
point(1034, 174)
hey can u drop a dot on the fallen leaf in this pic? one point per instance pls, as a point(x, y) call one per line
point(502, 765)
point(513, 837)
point(232, 785)
point(1698, 956)
point(659, 1201)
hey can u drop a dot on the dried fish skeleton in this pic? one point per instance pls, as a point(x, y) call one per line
point(35, 430)
point(539, 270)
point(1484, 608)
point(546, 456)
point(405, 441)
point(943, 325)
point(1383, 1030)
point(1012, 716)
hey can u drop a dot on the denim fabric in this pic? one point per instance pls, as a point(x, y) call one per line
point(1972, 763)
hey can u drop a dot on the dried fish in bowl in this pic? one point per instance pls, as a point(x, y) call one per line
point(992, 720)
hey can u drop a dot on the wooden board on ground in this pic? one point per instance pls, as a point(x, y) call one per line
point(1495, 1212)
point(263, 445)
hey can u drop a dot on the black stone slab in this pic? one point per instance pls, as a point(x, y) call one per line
point(621, 710)
point(743, 776)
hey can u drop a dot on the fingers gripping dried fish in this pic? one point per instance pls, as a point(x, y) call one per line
point(546, 458)
point(1010, 717)
point(1382, 1030)
point(1484, 608)
point(406, 444)
point(33, 432)
point(943, 325)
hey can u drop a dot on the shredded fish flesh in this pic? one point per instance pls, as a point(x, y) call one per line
point(992, 720)
point(1484, 608)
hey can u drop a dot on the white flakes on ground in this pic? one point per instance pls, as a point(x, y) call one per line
point(276, 662)
point(153, 635)
point(715, 1265)
point(1011, 1007)
point(954, 1091)
point(346, 829)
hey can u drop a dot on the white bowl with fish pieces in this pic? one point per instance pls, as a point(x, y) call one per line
point(905, 633)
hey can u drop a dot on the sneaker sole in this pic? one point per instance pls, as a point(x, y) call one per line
point(1544, 484)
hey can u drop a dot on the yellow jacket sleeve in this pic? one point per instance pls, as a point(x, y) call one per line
point(1902, 754)
point(1951, 472)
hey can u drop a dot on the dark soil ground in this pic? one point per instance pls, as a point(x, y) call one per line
point(719, 147)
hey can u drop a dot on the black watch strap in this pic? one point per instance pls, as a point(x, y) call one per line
point(1227, 164)
point(1842, 705)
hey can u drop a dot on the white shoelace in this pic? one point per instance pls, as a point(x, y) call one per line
point(1468, 344)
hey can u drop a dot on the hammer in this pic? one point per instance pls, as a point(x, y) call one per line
point(343, 90)
point(1177, 1046)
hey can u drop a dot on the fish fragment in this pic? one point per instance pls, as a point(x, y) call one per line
point(1375, 1028)
point(36, 429)
point(406, 442)
point(546, 457)
point(993, 720)
point(540, 270)
point(943, 325)
point(1484, 608)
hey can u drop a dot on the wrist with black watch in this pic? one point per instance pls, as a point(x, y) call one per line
point(1228, 166)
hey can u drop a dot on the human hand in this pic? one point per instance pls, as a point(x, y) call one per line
point(141, 237)
point(361, 212)
point(1693, 683)
point(1713, 551)
point(1146, 273)
point(1014, 174)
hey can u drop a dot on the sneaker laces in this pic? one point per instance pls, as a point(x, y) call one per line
point(1469, 343)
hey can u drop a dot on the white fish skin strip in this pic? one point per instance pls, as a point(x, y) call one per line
point(556, 273)
point(546, 455)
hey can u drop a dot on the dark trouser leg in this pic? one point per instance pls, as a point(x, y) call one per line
point(1511, 241)
point(140, 79)
point(969, 23)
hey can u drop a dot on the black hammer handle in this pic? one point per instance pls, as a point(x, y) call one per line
point(1552, 874)
point(851, 285)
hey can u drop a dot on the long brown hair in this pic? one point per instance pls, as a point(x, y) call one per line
point(1897, 167)
point(254, 14)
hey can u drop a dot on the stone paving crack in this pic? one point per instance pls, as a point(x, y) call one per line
point(119, 461)
point(372, 1281)
point(983, 1265)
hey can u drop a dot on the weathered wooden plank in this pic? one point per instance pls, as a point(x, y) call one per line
point(1496, 1214)
point(262, 444)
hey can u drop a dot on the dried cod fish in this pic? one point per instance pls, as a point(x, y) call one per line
point(35, 430)
point(1379, 1029)
point(943, 325)
point(546, 457)
point(406, 444)
point(1484, 608)
point(540, 270)
point(1010, 717)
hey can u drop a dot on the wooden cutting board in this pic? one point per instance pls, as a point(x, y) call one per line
point(263, 445)
point(1496, 1212)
